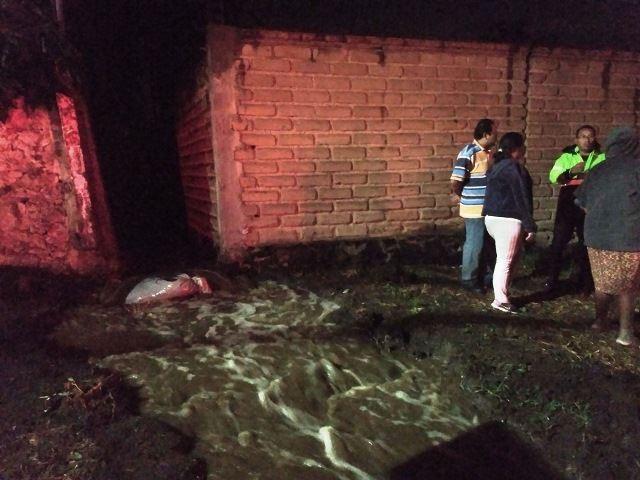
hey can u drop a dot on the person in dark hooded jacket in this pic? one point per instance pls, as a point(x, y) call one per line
point(610, 195)
point(508, 213)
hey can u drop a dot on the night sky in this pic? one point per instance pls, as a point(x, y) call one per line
point(139, 55)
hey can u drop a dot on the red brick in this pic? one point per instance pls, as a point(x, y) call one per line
point(348, 125)
point(333, 112)
point(295, 139)
point(349, 69)
point(256, 51)
point(259, 167)
point(418, 99)
point(257, 80)
point(368, 217)
point(311, 96)
point(404, 85)
point(453, 72)
point(411, 58)
point(260, 196)
point(418, 202)
point(330, 54)
point(261, 110)
point(243, 154)
point(273, 153)
point(368, 84)
point(312, 125)
point(332, 83)
point(270, 65)
point(384, 98)
point(353, 153)
point(383, 178)
point(368, 191)
point(403, 139)
point(447, 150)
point(451, 125)
point(333, 193)
point(419, 71)
point(334, 218)
point(272, 124)
point(486, 74)
point(403, 191)
point(404, 112)
point(433, 188)
point(384, 204)
point(251, 210)
point(451, 99)
point(416, 177)
point(400, 215)
point(353, 98)
point(314, 180)
point(248, 182)
point(351, 205)
point(369, 165)
point(369, 139)
point(268, 95)
point(333, 166)
point(333, 139)
point(309, 234)
point(295, 81)
point(436, 139)
point(312, 152)
point(404, 164)
point(296, 110)
point(296, 167)
point(351, 231)
point(383, 125)
point(349, 179)
point(420, 125)
point(435, 213)
point(277, 208)
point(438, 85)
point(276, 181)
point(365, 56)
point(314, 207)
point(263, 222)
point(471, 86)
point(297, 194)
point(309, 67)
point(383, 152)
point(438, 112)
point(271, 237)
point(258, 139)
point(299, 220)
point(471, 112)
point(370, 112)
point(385, 70)
point(292, 51)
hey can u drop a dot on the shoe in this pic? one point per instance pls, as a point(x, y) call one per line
point(504, 307)
point(549, 287)
point(627, 339)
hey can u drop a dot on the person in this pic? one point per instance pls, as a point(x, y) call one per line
point(569, 171)
point(610, 195)
point(468, 181)
point(508, 211)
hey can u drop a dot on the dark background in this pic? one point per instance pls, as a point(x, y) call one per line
point(139, 55)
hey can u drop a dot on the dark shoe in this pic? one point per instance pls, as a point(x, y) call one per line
point(504, 307)
point(550, 287)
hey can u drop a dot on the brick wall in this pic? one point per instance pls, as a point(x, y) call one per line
point(194, 137)
point(51, 215)
point(350, 137)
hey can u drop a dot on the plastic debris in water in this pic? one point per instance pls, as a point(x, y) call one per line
point(155, 289)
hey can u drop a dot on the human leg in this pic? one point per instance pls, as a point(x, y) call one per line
point(507, 233)
point(603, 304)
point(471, 250)
point(563, 228)
point(627, 301)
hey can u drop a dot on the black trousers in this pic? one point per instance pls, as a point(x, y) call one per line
point(569, 220)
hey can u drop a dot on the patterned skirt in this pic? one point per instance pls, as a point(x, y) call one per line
point(615, 272)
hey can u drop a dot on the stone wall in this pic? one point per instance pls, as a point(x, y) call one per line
point(53, 213)
point(328, 137)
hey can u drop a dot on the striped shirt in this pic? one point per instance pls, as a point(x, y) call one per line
point(470, 168)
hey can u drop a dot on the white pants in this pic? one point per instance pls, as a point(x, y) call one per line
point(507, 233)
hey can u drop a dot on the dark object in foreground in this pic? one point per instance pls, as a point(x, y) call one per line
point(490, 452)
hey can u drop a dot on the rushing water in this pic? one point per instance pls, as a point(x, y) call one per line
point(270, 386)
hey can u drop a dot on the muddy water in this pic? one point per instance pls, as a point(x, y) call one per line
point(270, 386)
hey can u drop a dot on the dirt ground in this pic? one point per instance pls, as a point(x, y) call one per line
point(570, 394)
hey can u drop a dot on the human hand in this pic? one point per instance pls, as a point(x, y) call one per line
point(455, 198)
point(577, 168)
point(530, 238)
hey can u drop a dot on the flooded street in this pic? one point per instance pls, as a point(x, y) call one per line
point(272, 385)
